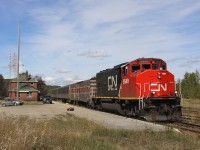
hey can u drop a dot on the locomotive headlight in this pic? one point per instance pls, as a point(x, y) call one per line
point(153, 92)
point(176, 92)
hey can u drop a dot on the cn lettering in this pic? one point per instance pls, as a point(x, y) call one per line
point(158, 87)
point(112, 83)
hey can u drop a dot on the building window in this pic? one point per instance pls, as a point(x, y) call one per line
point(29, 94)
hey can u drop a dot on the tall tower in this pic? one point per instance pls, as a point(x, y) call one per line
point(12, 64)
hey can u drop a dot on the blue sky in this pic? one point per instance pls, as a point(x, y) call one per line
point(65, 41)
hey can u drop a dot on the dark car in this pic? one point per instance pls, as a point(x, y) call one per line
point(47, 99)
point(11, 102)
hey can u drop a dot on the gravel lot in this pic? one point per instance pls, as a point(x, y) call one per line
point(106, 119)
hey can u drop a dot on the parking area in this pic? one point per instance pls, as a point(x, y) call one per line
point(35, 110)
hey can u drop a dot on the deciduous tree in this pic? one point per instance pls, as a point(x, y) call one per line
point(190, 85)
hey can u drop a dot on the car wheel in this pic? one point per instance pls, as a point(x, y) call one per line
point(15, 104)
point(4, 105)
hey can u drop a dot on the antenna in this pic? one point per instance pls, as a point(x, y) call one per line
point(12, 64)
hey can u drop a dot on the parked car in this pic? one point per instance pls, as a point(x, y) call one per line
point(11, 102)
point(47, 99)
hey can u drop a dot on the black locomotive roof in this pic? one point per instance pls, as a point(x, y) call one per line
point(114, 68)
point(119, 66)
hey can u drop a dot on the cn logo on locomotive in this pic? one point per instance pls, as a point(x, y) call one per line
point(157, 87)
point(112, 83)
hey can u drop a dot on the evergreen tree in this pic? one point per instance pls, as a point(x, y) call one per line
point(3, 87)
point(42, 86)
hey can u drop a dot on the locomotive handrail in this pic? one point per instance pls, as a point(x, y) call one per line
point(140, 88)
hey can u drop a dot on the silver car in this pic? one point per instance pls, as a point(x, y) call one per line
point(11, 102)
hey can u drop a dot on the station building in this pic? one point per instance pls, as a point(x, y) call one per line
point(27, 88)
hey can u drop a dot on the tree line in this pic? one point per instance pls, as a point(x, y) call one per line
point(189, 86)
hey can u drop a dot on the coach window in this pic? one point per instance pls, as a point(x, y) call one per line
point(135, 68)
point(154, 66)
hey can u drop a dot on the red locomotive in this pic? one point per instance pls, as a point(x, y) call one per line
point(141, 88)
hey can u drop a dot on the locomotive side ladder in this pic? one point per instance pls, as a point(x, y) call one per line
point(141, 102)
point(141, 98)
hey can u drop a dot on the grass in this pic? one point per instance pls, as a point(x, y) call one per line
point(191, 103)
point(191, 110)
point(69, 132)
point(28, 102)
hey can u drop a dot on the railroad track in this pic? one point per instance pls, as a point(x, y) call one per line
point(191, 118)
point(191, 111)
point(187, 126)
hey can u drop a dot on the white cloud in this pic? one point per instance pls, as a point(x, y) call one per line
point(187, 10)
point(48, 79)
point(62, 71)
point(113, 31)
point(94, 54)
point(61, 81)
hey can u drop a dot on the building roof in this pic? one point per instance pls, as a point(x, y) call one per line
point(23, 87)
point(22, 78)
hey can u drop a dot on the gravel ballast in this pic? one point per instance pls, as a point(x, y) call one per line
point(106, 119)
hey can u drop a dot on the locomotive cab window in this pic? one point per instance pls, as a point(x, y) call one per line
point(154, 66)
point(162, 67)
point(135, 68)
point(125, 70)
point(146, 66)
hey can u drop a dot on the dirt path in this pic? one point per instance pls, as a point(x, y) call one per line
point(106, 119)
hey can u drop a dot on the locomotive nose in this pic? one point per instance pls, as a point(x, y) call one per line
point(157, 83)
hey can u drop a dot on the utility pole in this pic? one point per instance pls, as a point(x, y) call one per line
point(18, 61)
